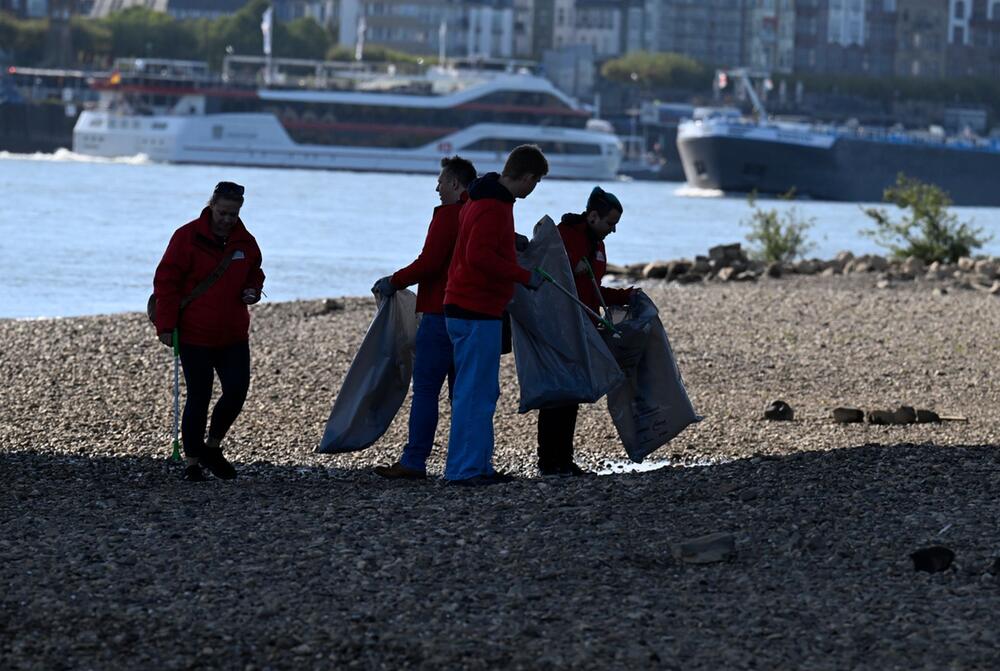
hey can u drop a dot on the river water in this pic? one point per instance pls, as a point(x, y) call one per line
point(82, 236)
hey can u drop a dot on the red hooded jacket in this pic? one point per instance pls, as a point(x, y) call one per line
point(580, 244)
point(484, 265)
point(430, 270)
point(218, 317)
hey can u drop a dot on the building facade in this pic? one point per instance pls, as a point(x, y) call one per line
point(484, 28)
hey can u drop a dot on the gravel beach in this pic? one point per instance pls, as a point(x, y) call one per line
point(108, 560)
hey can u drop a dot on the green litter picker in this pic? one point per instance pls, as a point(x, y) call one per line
point(606, 322)
point(176, 455)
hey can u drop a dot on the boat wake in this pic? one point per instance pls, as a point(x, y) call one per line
point(67, 156)
point(688, 191)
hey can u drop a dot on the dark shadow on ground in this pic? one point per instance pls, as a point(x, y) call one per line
point(115, 563)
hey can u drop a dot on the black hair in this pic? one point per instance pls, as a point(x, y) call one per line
point(459, 168)
point(227, 191)
point(602, 202)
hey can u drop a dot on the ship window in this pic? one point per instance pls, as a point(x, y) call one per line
point(159, 125)
point(96, 123)
point(503, 145)
point(216, 132)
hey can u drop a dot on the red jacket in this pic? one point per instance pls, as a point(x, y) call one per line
point(581, 245)
point(430, 270)
point(218, 317)
point(484, 266)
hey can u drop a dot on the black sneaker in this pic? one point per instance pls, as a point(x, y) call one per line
point(193, 473)
point(212, 459)
point(566, 471)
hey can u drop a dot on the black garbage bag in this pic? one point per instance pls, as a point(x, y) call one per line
point(559, 355)
point(377, 381)
point(652, 406)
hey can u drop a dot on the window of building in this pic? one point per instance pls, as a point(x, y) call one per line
point(960, 9)
point(995, 11)
point(958, 35)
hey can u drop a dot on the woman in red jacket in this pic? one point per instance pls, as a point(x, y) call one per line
point(208, 276)
point(583, 236)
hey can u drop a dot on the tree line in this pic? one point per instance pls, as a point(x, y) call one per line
point(138, 32)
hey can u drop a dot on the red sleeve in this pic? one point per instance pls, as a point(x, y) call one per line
point(168, 282)
point(434, 257)
point(255, 278)
point(489, 237)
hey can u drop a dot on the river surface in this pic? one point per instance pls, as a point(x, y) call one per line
point(83, 236)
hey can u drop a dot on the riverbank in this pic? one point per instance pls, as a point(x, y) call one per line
point(308, 560)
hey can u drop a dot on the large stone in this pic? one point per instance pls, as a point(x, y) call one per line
point(807, 267)
point(880, 417)
point(848, 415)
point(731, 252)
point(677, 268)
point(925, 416)
point(708, 549)
point(933, 559)
point(773, 270)
point(656, 270)
point(966, 264)
point(779, 411)
point(913, 266)
point(904, 414)
point(726, 274)
point(986, 268)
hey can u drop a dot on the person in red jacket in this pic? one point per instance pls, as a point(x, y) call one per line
point(481, 281)
point(583, 236)
point(213, 323)
point(433, 354)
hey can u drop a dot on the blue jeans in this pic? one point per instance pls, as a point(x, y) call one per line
point(477, 388)
point(432, 363)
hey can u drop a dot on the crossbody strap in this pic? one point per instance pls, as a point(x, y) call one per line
point(203, 286)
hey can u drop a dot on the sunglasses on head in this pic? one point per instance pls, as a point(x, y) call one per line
point(228, 189)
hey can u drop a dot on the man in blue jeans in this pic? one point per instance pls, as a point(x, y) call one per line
point(481, 282)
point(433, 355)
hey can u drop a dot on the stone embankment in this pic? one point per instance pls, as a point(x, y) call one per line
point(730, 263)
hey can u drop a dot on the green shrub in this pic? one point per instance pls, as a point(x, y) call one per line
point(776, 236)
point(927, 230)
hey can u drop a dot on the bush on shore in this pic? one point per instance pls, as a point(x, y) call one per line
point(927, 230)
point(777, 237)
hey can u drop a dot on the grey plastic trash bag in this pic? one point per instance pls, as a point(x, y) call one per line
point(377, 381)
point(559, 355)
point(652, 406)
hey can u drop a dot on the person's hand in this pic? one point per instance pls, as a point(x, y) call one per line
point(250, 295)
point(537, 279)
point(166, 338)
point(521, 242)
point(384, 286)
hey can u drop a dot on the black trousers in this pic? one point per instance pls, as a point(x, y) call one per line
point(201, 364)
point(555, 436)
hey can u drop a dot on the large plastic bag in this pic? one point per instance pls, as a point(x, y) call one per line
point(377, 381)
point(652, 406)
point(559, 355)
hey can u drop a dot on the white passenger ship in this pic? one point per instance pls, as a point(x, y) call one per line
point(339, 116)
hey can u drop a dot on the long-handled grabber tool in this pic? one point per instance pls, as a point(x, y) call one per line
point(586, 308)
point(176, 456)
point(597, 288)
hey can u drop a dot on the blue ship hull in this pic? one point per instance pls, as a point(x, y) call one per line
point(850, 169)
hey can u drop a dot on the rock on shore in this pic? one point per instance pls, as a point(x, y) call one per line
point(310, 561)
